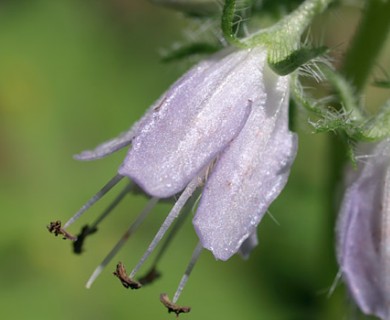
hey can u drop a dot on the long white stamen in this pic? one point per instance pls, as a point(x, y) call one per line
point(186, 194)
point(112, 205)
point(107, 187)
point(171, 236)
point(184, 279)
point(133, 227)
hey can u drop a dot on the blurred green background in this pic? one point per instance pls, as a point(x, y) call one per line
point(74, 73)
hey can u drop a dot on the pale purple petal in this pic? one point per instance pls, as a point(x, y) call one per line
point(125, 138)
point(108, 147)
point(250, 173)
point(364, 233)
point(196, 119)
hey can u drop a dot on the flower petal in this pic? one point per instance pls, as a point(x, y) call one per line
point(364, 233)
point(125, 138)
point(108, 147)
point(195, 120)
point(250, 173)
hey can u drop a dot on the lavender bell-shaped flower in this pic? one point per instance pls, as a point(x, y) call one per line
point(223, 125)
point(364, 231)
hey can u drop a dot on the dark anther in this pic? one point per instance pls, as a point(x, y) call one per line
point(150, 277)
point(172, 307)
point(78, 244)
point(55, 227)
point(127, 282)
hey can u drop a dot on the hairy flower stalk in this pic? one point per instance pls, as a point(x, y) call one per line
point(364, 232)
point(222, 127)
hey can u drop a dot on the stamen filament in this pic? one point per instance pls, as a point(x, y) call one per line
point(91, 229)
point(107, 187)
point(191, 264)
point(113, 204)
point(133, 227)
point(186, 194)
point(153, 273)
point(171, 236)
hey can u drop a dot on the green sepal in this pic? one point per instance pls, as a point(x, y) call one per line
point(351, 148)
point(345, 92)
point(337, 120)
point(338, 112)
point(347, 115)
point(296, 59)
point(301, 98)
point(378, 126)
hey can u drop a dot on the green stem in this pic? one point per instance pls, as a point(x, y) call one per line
point(227, 22)
point(297, 21)
point(284, 35)
point(368, 42)
point(359, 60)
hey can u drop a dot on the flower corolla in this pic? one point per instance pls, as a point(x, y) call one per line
point(228, 114)
point(222, 127)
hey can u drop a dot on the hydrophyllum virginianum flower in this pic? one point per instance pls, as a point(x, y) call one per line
point(222, 127)
point(364, 232)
